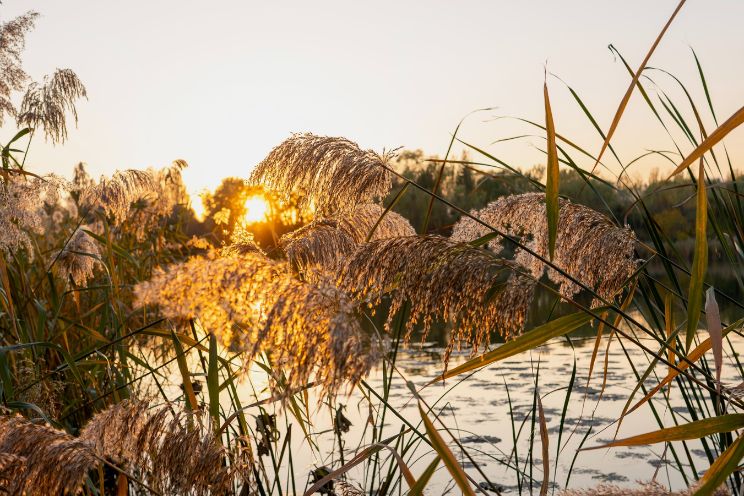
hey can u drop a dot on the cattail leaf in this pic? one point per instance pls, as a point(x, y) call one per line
point(693, 430)
point(553, 178)
point(527, 341)
point(213, 382)
point(708, 143)
point(458, 474)
point(544, 441)
point(633, 83)
point(720, 469)
point(418, 488)
point(699, 261)
point(713, 316)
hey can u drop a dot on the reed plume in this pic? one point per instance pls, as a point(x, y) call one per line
point(589, 247)
point(11, 469)
point(22, 202)
point(47, 104)
point(55, 462)
point(242, 241)
point(156, 203)
point(171, 453)
point(223, 293)
point(253, 304)
point(79, 258)
point(476, 291)
point(114, 196)
point(325, 242)
point(321, 243)
point(12, 76)
point(175, 453)
point(644, 489)
point(314, 333)
point(331, 174)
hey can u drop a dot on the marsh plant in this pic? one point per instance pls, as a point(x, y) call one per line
point(112, 293)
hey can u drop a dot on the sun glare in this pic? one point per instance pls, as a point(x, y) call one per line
point(256, 209)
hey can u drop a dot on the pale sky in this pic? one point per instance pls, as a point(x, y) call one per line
point(220, 83)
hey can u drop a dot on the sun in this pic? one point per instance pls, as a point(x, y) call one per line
point(256, 208)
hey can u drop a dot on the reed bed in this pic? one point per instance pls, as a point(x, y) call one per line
point(109, 293)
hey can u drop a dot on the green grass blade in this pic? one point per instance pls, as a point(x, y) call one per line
point(553, 178)
point(213, 382)
point(699, 262)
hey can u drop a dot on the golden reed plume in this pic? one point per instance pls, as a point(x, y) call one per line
point(46, 104)
point(22, 202)
point(12, 76)
point(331, 174)
point(326, 242)
point(253, 304)
point(115, 195)
point(589, 247)
point(476, 291)
point(644, 489)
point(79, 258)
point(170, 453)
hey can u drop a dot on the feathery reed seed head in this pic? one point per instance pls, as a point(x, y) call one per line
point(333, 174)
point(79, 258)
point(644, 489)
point(55, 462)
point(46, 104)
point(589, 247)
point(476, 291)
point(253, 303)
point(12, 76)
point(326, 241)
point(114, 196)
point(22, 203)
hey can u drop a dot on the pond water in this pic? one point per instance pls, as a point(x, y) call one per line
point(482, 410)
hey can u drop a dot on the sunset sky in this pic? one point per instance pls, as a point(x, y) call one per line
point(220, 83)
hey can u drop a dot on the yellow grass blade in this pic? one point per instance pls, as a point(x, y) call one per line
point(693, 430)
point(553, 178)
point(693, 357)
point(699, 261)
point(721, 468)
point(418, 488)
point(526, 341)
point(458, 474)
point(634, 81)
point(732, 123)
